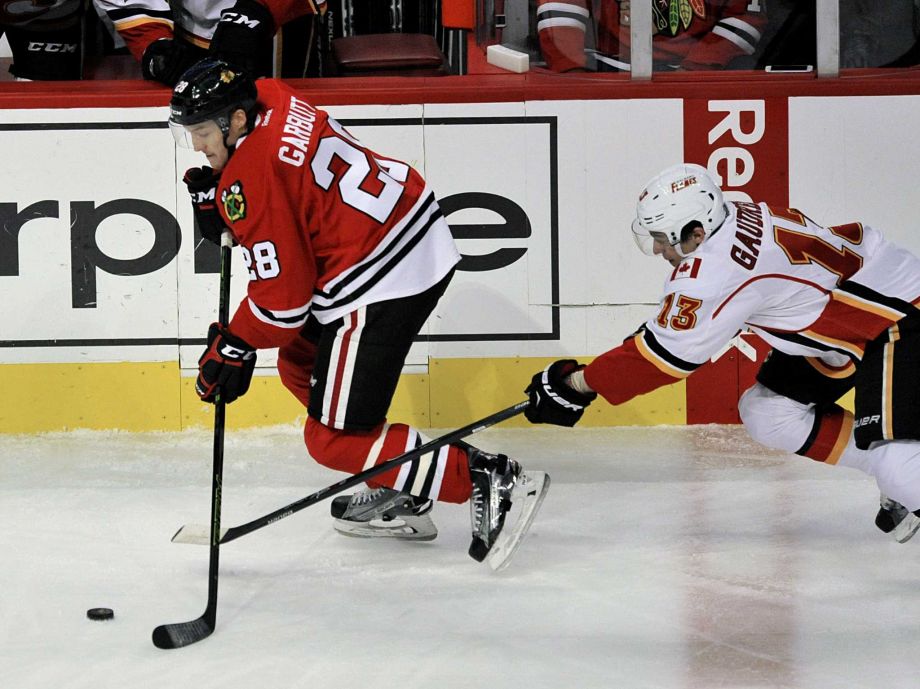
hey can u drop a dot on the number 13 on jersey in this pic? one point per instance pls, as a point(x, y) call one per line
point(684, 317)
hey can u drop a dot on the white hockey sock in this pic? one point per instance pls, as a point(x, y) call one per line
point(895, 466)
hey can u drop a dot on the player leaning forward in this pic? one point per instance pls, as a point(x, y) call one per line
point(347, 254)
point(839, 305)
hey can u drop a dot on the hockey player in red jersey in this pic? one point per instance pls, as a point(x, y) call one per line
point(839, 305)
point(687, 34)
point(347, 253)
point(169, 37)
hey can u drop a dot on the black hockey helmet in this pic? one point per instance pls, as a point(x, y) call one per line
point(211, 90)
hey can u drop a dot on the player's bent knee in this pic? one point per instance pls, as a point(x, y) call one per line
point(323, 443)
point(774, 420)
point(295, 366)
point(339, 449)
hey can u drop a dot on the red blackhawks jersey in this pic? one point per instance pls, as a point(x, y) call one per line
point(325, 225)
point(692, 34)
point(807, 290)
point(141, 22)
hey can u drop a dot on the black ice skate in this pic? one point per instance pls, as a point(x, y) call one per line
point(896, 519)
point(499, 483)
point(383, 513)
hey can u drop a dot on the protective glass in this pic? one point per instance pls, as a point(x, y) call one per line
point(193, 136)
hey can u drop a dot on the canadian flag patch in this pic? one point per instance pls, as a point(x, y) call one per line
point(687, 269)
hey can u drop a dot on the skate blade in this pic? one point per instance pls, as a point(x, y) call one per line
point(526, 500)
point(408, 528)
point(906, 528)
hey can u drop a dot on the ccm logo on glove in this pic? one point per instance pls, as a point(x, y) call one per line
point(202, 189)
point(226, 366)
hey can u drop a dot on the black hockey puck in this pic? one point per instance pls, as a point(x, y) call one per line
point(100, 613)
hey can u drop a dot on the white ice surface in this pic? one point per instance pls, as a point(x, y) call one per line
point(680, 558)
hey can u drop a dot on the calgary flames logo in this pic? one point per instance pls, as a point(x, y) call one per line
point(682, 183)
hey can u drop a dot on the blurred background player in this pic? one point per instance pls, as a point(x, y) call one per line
point(840, 306)
point(686, 34)
point(347, 253)
point(46, 38)
point(169, 37)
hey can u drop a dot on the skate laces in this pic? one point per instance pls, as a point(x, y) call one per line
point(367, 496)
point(478, 506)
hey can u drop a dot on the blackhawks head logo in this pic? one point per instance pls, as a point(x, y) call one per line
point(234, 201)
point(672, 16)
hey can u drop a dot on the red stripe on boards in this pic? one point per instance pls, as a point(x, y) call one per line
point(744, 143)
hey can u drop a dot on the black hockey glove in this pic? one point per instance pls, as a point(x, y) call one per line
point(165, 60)
point(225, 367)
point(202, 187)
point(243, 35)
point(552, 400)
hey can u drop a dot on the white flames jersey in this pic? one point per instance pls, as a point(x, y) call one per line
point(141, 22)
point(806, 289)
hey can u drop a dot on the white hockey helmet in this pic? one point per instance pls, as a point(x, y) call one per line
point(677, 196)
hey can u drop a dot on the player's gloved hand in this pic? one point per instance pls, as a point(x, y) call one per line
point(243, 35)
point(225, 367)
point(165, 60)
point(552, 400)
point(202, 187)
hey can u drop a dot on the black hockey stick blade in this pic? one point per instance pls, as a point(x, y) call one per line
point(182, 633)
point(199, 535)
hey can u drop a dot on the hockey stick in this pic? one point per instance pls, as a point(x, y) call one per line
point(194, 534)
point(181, 634)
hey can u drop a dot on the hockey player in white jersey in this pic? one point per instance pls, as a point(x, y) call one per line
point(168, 37)
point(839, 305)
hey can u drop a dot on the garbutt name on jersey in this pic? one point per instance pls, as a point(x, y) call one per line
point(326, 225)
point(298, 129)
